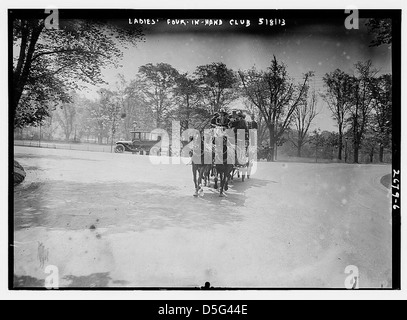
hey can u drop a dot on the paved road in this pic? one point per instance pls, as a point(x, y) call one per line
point(118, 220)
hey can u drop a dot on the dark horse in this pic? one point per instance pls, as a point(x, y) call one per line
point(223, 170)
point(200, 171)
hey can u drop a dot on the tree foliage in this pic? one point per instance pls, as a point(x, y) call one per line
point(67, 116)
point(191, 110)
point(218, 85)
point(381, 29)
point(50, 63)
point(382, 112)
point(276, 95)
point(157, 84)
point(361, 107)
point(303, 117)
point(337, 96)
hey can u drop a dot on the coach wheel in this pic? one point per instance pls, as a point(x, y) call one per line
point(119, 148)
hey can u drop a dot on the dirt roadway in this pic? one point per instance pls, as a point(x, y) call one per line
point(117, 220)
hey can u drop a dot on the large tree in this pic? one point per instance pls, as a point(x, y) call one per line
point(85, 119)
point(190, 111)
point(50, 126)
point(338, 94)
point(218, 85)
point(100, 114)
point(369, 144)
point(303, 117)
point(362, 106)
point(139, 114)
point(382, 112)
point(276, 95)
point(255, 115)
point(129, 102)
point(157, 83)
point(50, 63)
point(66, 116)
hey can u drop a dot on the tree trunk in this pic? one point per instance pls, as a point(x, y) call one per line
point(270, 156)
point(21, 79)
point(299, 149)
point(381, 154)
point(346, 152)
point(67, 135)
point(23, 48)
point(158, 120)
point(356, 152)
point(340, 146)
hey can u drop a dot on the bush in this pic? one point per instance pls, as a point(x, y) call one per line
point(19, 173)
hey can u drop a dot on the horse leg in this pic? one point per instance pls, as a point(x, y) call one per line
point(226, 183)
point(227, 175)
point(205, 180)
point(194, 170)
point(201, 177)
point(222, 183)
point(224, 186)
point(207, 176)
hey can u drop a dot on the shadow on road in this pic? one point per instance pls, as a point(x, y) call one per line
point(53, 157)
point(96, 280)
point(137, 206)
point(236, 195)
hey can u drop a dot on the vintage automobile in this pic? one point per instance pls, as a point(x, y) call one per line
point(142, 143)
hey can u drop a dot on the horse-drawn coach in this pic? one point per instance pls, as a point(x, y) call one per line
point(223, 165)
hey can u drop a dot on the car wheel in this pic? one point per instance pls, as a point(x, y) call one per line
point(119, 148)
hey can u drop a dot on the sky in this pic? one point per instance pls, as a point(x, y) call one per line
point(302, 44)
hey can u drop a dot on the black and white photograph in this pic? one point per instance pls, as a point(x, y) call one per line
point(204, 149)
